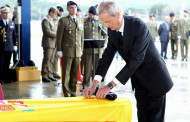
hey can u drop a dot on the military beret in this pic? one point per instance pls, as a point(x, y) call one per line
point(7, 6)
point(78, 9)
point(60, 8)
point(172, 14)
point(152, 15)
point(92, 10)
point(186, 11)
point(5, 9)
point(71, 3)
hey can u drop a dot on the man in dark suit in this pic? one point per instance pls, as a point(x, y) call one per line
point(149, 75)
point(163, 32)
point(7, 43)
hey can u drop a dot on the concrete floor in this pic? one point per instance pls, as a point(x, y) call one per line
point(177, 103)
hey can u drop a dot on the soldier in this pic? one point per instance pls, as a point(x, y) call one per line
point(70, 45)
point(7, 42)
point(49, 63)
point(183, 35)
point(153, 26)
point(174, 39)
point(92, 25)
point(60, 12)
point(79, 12)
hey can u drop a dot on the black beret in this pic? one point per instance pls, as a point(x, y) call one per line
point(71, 3)
point(172, 14)
point(60, 8)
point(186, 11)
point(78, 9)
point(92, 10)
point(152, 15)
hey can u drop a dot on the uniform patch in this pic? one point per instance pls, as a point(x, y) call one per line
point(45, 23)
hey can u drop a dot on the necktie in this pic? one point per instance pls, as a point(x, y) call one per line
point(120, 39)
point(6, 24)
point(92, 21)
point(75, 21)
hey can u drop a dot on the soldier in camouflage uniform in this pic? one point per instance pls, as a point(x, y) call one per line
point(183, 29)
point(174, 39)
point(153, 27)
point(92, 31)
point(70, 45)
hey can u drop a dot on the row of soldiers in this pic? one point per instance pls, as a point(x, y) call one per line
point(180, 32)
point(64, 37)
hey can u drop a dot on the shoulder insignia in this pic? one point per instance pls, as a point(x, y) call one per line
point(45, 23)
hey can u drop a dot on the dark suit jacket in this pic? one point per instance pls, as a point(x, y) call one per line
point(10, 36)
point(144, 64)
point(163, 32)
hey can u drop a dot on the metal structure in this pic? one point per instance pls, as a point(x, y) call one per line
point(24, 58)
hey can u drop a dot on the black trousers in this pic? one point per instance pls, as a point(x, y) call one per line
point(5, 58)
point(164, 47)
point(149, 109)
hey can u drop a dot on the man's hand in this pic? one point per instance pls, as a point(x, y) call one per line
point(15, 48)
point(101, 94)
point(88, 92)
point(59, 53)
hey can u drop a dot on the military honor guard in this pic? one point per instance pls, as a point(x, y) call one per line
point(92, 25)
point(50, 59)
point(7, 42)
point(70, 36)
point(153, 26)
point(183, 35)
point(174, 38)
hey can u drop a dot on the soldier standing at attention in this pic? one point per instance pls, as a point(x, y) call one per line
point(153, 26)
point(91, 31)
point(174, 39)
point(183, 35)
point(69, 47)
point(8, 41)
point(49, 28)
point(60, 12)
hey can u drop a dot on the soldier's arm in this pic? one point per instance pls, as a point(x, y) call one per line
point(178, 28)
point(60, 32)
point(46, 29)
point(156, 30)
point(82, 37)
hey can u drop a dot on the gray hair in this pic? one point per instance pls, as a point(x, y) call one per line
point(109, 6)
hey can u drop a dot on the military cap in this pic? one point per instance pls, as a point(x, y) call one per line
point(78, 9)
point(5, 9)
point(7, 6)
point(186, 11)
point(152, 15)
point(71, 3)
point(92, 10)
point(53, 9)
point(60, 8)
point(172, 14)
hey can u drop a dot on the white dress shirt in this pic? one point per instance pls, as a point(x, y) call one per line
point(4, 21)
